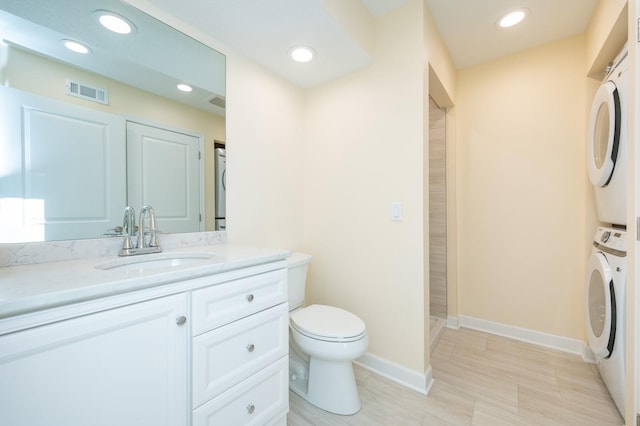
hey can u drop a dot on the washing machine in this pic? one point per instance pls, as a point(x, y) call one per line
point(605, 309)
point(607, 143)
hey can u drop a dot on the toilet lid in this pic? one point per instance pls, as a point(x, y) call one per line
point(327, 322)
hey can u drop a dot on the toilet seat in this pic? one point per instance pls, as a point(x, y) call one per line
point(328, 323)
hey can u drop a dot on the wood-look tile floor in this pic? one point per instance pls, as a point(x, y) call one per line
point(480, 379)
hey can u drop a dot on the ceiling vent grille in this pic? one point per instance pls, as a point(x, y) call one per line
point(218, 101)
point(84, 91)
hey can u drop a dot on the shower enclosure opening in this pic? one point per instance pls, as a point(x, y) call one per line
point(437, 222)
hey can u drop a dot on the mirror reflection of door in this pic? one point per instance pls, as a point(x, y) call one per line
point(163, 171)
point(61, 169)
point(64, 171)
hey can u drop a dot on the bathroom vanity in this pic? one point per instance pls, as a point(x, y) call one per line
point(192, 336)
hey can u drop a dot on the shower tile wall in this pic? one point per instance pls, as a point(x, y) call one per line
point(437, 213)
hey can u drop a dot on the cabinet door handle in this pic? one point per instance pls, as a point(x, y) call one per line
point(251, 408)
point(181, 320)
point(250, 347)
point(249, 297)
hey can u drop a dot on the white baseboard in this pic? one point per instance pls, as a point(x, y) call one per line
point(453, 322)
point(402, 375)
point(561, 343)
point(588, 355)
point(428, 376)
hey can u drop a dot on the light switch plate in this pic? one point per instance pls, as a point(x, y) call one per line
point(396, 211)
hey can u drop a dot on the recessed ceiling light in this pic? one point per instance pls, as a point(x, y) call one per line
point(184, 87)
point(114, 22)
point(74, 46)
point(302, 53)
point(512, 18)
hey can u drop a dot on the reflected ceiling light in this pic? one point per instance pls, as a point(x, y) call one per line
point(184, 87)
point(74, 46)
point(114, 22)
point(302, 53)
point(512, 18)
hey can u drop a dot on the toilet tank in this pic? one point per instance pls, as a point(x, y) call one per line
point(297, 265)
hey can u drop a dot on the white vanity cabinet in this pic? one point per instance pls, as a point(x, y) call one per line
point(203, 348)
point(123, 366)
point(240, 352)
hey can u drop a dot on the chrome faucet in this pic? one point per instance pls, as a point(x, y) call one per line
point(129, 226)
point(153, 229)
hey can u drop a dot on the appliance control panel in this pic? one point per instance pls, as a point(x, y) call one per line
point(612, 238)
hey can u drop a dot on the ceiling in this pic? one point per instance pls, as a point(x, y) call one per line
point(469, 29)
point(342, 32)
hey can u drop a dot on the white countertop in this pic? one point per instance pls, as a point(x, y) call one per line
point(34, 287)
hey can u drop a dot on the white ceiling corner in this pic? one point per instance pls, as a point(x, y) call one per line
point(381, 7)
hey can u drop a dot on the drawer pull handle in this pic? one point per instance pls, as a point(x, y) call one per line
point(251, 347)
point(181, 320)
point(251, 408)
point(249, 297)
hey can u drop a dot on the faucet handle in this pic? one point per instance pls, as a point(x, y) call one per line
point(113, 232)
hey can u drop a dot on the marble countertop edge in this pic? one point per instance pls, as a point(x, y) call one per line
point(35, 287)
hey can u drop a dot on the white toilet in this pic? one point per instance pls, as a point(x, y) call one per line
point(323, 341)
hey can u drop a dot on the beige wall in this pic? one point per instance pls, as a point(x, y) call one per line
point(264, 157)
point(606, 34)
point(521, 182)
point(442, 70)
point(364, 150)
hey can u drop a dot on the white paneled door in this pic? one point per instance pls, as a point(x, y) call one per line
point(163, 171)
point(62, 169)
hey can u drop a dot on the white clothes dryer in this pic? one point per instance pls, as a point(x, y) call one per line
point(607, 143)
point(605, 309)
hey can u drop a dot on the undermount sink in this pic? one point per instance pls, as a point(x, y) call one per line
point(152, 261)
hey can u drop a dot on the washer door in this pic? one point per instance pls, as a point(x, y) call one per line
point(604, 134)
point(600, 306)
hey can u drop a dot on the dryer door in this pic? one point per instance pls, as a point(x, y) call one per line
point(600, 306)
point(604, 134)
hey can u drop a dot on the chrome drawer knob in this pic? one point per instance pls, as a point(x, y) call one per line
point(251, 347)
point(181, 320)
point(249, 297)
point(251, 408)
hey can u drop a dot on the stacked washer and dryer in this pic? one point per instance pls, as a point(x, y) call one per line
point(606, 269)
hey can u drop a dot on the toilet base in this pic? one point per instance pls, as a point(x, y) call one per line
point(328, 385)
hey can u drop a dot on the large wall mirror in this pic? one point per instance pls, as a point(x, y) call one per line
point(94, 125)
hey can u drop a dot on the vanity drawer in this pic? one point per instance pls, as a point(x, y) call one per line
point(223, 303)
point(260, 400)
point(227, 355)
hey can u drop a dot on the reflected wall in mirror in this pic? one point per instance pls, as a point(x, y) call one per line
point(69, 159)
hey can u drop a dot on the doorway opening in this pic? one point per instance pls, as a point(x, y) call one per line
point(437, 222)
